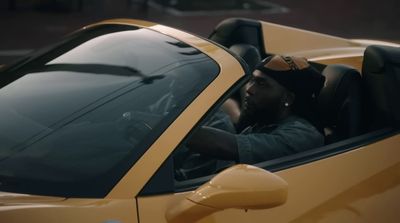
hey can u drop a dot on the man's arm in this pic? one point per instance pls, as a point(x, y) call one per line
point(214, 142)
point(231, 107)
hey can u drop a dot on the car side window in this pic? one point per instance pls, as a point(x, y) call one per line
point(185, 169)
point(190, 165)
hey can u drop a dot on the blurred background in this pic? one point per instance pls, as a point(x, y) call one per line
point(26, 25)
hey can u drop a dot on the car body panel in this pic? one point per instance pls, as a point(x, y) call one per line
point(69, 210)
point(367, 42)
point(6, 198)
point(361, 185)
point(120, 204)
point(354, 60)
point(231, 71)
point(317, 47)
point(132, 22)
point(279, 39)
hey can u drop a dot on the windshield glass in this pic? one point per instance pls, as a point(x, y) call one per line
point(75, 118)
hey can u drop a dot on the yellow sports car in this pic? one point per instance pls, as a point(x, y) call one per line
point(93, 129)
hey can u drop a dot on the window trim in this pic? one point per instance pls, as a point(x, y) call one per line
point(282, 163)
point(302, 158)
point(275, 165)
point(327, 151)
point(113, 178)
point(152, 187)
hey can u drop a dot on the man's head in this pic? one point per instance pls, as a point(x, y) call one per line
point(279, 86)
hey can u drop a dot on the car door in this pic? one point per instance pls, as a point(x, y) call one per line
point(350, 183)
point(354, 180)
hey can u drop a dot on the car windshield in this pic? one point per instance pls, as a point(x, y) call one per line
point(75, 117)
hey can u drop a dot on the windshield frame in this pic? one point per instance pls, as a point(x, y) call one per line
point(78, 190)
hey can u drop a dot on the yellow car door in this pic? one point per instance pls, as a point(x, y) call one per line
point(355, 180)
point(360, 185)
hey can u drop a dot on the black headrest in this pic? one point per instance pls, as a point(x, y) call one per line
point(239, 30)
point(381, 75)
point(248, 53)
point(339, 101)
point(377, 57)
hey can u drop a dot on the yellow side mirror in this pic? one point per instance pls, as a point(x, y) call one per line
point(241, 186)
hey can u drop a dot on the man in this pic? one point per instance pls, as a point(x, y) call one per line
point(278, 108)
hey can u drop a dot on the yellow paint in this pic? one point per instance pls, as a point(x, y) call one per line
point(361, 185)
point(317, 47)
point(231, 71)
point(367, 42)
point(188, 211)
point(353, 61)
point(129, 22)
point(224, 191)
point(120, 204)
point(69, 210)
point(286, 40)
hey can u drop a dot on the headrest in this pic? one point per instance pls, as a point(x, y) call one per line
point(381, 74)
point(239, 30)
point(376, 57)
point(342, 84)
point(248, 53)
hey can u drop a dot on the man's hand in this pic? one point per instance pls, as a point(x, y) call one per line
point(214, 142)
point(231, 107)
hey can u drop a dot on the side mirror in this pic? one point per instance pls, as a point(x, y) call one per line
point(241, 186)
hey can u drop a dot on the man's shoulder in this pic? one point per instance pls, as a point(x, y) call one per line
point(296, 122)
point(301, 130)
point(290, 136)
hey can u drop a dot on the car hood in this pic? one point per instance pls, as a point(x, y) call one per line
point(22, 208)
point(7, 198)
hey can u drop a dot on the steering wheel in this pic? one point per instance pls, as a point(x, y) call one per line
point(189, 165)
point(134, 129)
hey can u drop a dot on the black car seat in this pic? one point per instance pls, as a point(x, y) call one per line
point(239, 31)
point(381, 81)
point(248, 53)
point(339, 103)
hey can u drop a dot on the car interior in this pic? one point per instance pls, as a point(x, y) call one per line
point(339, 103)
point(356, 108)
point(350, 104)
point(381, 79)
point(239, 31)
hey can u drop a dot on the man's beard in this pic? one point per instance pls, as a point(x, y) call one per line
point(246, 119)
point(249, 116)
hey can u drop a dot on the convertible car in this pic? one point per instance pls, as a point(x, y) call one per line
point(94, 128)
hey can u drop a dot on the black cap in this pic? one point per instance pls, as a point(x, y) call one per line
point(295, 74)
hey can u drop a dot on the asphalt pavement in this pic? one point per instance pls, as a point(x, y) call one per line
point(24, 30)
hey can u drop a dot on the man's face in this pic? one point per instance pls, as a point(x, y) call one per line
point(264, 98)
